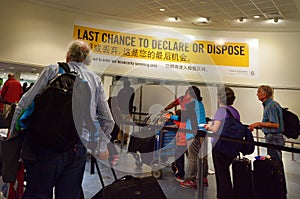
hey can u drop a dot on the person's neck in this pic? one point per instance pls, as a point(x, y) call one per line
point(263, 100)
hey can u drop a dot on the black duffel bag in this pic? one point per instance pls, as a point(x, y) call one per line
point(130, 187)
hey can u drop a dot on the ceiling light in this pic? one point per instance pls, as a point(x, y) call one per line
point(174, 19)
point(203, 20)
point(241, 19)
point(162, 9)
point(220, 42)
point(256, 17)
point(274, 21)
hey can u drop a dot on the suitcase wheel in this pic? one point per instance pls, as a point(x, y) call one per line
point(157, 173)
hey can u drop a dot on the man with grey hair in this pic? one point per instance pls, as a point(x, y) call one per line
point(64, 171)
point(271, 125)
point(272, 122)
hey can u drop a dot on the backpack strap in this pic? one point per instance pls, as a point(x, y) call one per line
point(229, 112)
point(63, 67)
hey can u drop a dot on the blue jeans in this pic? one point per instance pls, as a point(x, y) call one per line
point(275, 139)
point(62, 171)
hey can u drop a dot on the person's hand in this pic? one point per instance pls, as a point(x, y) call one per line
point(168, 116)
point(253, 126)
point(103, 155)
point(207, 126)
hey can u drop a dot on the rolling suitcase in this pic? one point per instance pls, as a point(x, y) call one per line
point(242, 178)
point(129, 187)
point(269, 180)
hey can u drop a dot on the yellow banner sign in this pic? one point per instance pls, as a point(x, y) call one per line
point(169, 50)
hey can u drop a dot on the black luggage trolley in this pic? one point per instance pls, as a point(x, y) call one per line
point(154, 145)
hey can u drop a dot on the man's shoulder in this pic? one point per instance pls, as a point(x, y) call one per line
point(274, 103)
point(13, 81)
point(53, 68)
point(91, 74)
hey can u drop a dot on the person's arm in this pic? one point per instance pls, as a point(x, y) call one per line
point(270, 120)
point(106, 122)
point(214, 127)
point(263, 125)
point(220, 115)
point(173, 104)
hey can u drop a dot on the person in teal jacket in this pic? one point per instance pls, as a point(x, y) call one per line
point(194, 115)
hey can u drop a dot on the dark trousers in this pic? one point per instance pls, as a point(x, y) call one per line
point(179, 162)
point(222, 174)
point(62, 171)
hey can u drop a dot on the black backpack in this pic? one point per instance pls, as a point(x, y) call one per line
point(51, 124)
point(291, 124)
point(233, 128)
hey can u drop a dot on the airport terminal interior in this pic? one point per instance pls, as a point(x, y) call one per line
point(161, 47)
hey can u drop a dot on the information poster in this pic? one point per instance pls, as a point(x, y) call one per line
point(143, 54)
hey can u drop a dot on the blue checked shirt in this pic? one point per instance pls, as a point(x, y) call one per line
point(99, 108)
point(272, 113)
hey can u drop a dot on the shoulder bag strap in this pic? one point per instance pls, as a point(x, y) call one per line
point(64, 66)
point(229, 112)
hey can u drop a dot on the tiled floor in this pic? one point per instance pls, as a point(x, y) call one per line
point(171, 188)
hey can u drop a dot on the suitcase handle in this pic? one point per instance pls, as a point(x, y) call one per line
point(94, 161)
